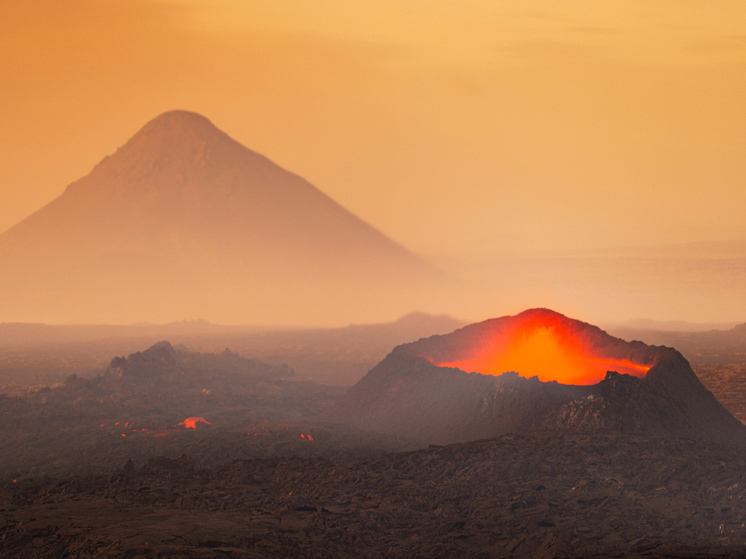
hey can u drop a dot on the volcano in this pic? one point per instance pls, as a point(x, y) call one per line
point(537, 370)
point(184, 222)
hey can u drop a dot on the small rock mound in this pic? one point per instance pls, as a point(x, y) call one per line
point(162, 359)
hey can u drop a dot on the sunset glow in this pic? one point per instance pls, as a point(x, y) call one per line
point(591, 99)
point(583, 155)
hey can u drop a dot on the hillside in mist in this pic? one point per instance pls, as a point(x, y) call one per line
point(184, 222)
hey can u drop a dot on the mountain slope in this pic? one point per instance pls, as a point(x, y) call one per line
point(181, 212)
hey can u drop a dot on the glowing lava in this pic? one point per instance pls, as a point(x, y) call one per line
point(191, 422)
point(545, 345)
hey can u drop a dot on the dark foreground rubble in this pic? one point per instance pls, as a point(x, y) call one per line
point(531, 495)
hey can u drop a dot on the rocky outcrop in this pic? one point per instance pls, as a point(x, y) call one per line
point(163, 359)
point(670, 399)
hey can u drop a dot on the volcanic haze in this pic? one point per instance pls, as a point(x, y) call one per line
point(184, 222)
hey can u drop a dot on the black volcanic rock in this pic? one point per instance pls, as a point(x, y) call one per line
point(536, 495)
point(139, 406)
point(156, 360)
point(415, 398)
point(669, 400)
point(409, 395)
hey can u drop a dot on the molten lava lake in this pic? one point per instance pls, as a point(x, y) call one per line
point(540, 347)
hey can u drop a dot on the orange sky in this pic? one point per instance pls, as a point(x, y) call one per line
point(472, 126)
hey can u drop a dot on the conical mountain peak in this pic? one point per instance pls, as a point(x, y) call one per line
point(177, 118)
point(180, 141)
point(183, 208)
point(178, 127)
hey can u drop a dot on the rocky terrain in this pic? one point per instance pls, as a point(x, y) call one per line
point(727, 381)
point(138, 407)
point(533, 495)
point(410, 395)
point(175, 453)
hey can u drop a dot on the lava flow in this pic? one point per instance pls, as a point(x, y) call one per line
point(191, 422)
point(542, 345)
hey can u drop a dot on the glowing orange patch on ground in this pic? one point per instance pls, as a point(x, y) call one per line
point(191, 422)
point(544, 350)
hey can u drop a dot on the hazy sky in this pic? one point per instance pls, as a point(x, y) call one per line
point(453, 126)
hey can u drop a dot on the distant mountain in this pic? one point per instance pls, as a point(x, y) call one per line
point(183, 222)
point(422, 390)
point(648, 325)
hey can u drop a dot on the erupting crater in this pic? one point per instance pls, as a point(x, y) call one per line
point(535, 370)
point(538, 343)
